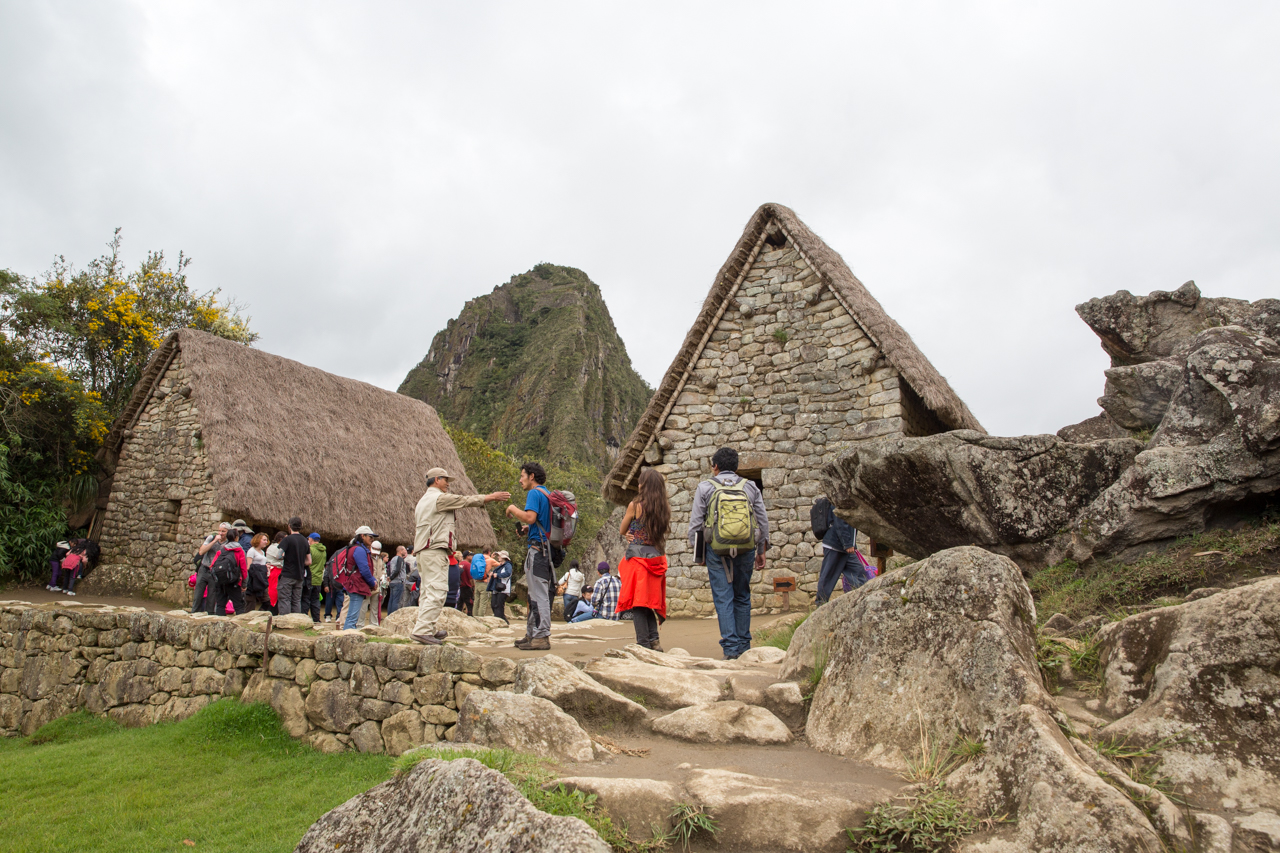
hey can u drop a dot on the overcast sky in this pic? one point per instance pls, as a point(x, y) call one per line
point(353, 173)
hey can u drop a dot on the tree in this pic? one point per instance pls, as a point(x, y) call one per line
point(101, 324)
point(72, 347)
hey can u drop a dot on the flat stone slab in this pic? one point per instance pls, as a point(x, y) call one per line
point(724, 722)
point(660, 686)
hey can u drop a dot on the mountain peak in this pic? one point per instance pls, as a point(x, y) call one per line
point(537, 368)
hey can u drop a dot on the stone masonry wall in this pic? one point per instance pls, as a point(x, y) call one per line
point(138, 667)
point(787, 378)
point(162, 500)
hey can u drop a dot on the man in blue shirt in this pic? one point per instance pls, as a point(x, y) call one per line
point(536, 518)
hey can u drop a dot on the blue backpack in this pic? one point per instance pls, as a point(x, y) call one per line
point(477, 566)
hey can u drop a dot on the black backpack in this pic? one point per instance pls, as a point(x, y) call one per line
point(820, 517)
point(226, 568)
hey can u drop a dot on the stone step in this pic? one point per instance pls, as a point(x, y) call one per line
point(753, 813)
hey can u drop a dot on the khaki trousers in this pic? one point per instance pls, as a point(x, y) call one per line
point(433, 566)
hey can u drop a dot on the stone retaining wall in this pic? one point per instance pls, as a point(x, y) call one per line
point(337, 692)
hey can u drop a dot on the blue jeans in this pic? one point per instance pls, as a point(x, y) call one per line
point(353, 609)
point(334, 599)
point(583, 618)
point(732, 600)
point(394, 593)
point(835, 564)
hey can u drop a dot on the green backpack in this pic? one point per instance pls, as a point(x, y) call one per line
point(731, 525)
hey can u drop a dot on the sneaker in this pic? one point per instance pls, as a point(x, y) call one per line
point(52, 588)
point(540, 644)
point(69, 592)
point(426, 639)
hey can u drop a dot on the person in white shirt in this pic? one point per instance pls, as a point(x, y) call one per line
point(573, 580)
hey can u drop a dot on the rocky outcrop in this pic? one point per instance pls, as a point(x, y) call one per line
point(1198, 380)
point(524, 724)
point(1202, 680)
point(456, 806)
point(1140, 329)
point(586, 700)
point(946, 648)
point(457, 623)
point(723, 722)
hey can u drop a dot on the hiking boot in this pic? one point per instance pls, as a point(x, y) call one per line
point(656, 647)
point(426, 639)
point(539, 644)
point(523, 644)
point(441, 634)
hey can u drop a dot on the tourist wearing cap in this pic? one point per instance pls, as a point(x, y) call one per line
point(500, 584)
point(243, 534)
point(433, 542)
point(362, 584)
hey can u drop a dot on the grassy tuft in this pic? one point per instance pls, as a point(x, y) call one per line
point(779, 637)
point(932, 820)
point(967, 749)
point(1192, 562)
point(689, 820)
point(934, 761)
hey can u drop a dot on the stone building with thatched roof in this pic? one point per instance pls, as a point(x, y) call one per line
point(789, 360)
point(217, 431)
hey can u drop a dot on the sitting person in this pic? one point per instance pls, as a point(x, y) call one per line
point(583, 611)
point(604, 596)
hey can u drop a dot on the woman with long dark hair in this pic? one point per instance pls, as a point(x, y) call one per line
point(644, 570)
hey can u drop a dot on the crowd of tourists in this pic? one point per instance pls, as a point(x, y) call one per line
point(238, 570)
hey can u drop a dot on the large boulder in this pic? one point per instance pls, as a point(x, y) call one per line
point(523, 723)
point(945, 648)
point(1141, 329)
point(723, 722)
point(1202, 680)
point(585, 699)
point(1205, 379)
point(457, 623)
point(447, 807)
point(658, 686)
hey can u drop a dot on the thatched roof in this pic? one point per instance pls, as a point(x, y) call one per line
point(893, 341)
point(287, 439)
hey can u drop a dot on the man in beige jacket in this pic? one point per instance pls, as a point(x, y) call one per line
point(434, 539)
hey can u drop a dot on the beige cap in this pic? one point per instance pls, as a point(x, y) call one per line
point(365, 530)
point(376, 547)
point(438, 472)
point(503, 556)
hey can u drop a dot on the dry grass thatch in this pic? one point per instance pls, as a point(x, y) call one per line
point(894, 342)
point(286, 439)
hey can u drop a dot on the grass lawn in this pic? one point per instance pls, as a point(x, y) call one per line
point(228, 778)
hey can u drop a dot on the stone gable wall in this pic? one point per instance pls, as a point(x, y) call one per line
point(787, 379)
point(138, 667)
point(162, 501)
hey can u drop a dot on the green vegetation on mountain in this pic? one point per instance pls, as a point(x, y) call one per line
point(536, 368)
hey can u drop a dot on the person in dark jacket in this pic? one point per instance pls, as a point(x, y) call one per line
point(838, 558)
point(455, 582)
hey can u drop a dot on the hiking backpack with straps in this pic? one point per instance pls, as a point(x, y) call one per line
point(225, 567)
point(820, 517)
point(347, 573)
point(564, 517)
point(731, 525)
